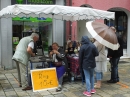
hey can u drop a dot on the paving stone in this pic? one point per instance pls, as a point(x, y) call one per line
point(118, 95)
point(103, 94)
point(7, 87)
point(2, 78)
point(124, 89)
point(35, 96)
point(78, 93)
point(76, 86)
point(16, 86)
point(120, 91)
point(11, 79)
point(15, 74)
point(10, 76)
point(115, 86)
point(22, 94)
point(0, 87)
point(4, 81)
point(12, 96)
point(10, 93)
point(13, 82)
point(110, 92)
point(59, 95)
point(67, 85)
point(82, 88)
point(126, 95)
point(72, 89)
point(2, 93)
point(70, 94)
point(48, 96)
point(126, 80)
point(95, 95)
point(45, 92)
point(18, 89)
point(109, 88)
point(99, 91)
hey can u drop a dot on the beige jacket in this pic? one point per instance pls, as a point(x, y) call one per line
point(21, 55)
point(101, 49)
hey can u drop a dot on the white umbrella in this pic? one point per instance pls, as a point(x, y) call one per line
point(55, 11)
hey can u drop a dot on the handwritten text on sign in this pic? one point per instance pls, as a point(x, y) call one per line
point(44, 79)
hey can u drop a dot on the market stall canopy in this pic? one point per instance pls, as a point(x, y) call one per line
point(68, 13)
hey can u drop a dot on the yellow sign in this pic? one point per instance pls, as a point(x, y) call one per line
point(43, 79)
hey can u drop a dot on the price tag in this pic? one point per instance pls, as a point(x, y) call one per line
point(43, 79)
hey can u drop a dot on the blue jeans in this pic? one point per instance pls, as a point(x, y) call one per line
point(89, 78)
point(99, 75)
point(114, 68)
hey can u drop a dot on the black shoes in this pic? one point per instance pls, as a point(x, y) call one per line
point(27, 88)
point(112, 81)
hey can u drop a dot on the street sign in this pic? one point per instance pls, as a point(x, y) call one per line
point(43, 79)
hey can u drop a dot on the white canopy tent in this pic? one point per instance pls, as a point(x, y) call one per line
point(68, 13)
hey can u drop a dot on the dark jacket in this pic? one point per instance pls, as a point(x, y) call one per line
point(71, 50)
point(62, 57)
point(87, 54)
point(119, 52)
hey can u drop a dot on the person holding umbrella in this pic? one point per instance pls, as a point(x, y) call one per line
point(87, 55)
point(101, 63)
point(114, 56)
point(107, 37)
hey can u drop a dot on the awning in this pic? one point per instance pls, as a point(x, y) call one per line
point(68, 13)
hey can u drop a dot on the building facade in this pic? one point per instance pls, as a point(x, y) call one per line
point(6, 31)
point(121, 22)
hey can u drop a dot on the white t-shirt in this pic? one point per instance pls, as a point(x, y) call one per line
point(31, 44)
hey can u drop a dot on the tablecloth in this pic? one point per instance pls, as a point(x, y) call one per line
point(74, 64)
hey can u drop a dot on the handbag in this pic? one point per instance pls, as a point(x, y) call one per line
point(57, 63)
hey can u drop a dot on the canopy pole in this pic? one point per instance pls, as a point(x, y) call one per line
point(52, 27)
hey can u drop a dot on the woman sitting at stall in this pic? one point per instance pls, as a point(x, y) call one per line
point(60, 63)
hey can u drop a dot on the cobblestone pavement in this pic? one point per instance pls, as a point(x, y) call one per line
point(9, 86)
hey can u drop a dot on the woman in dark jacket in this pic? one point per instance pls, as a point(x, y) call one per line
point(58, 55)
point(87, 55)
